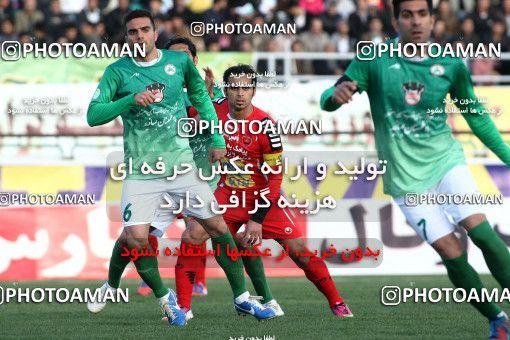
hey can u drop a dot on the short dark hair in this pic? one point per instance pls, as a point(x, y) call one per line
point(238, 70)
point(139, 13)
point(182, 40)
point(396, 7)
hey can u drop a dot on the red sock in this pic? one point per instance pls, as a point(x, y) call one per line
point(153, 241)
point(185, 272)
point(200, 277)
point(317, 272)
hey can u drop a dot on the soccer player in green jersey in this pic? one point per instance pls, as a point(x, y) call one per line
point(422, 154)
point(199, 145)
point(147, 93)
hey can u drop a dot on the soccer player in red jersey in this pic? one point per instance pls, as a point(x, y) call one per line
point(273, 222)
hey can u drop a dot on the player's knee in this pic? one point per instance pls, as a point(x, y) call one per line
point(134, 242)
point(448, 247)
point(215, 226)
point(195, 236)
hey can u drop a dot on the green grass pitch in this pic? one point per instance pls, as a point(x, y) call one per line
point(307, 315)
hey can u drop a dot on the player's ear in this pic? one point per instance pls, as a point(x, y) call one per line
point(195, 60)
point(155, 34)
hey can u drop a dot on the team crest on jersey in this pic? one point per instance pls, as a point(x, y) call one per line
point(158, 90)
point(246, 140)
point(170, 69)
point(437, 70)
point(413, 91)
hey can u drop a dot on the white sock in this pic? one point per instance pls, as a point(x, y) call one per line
point(164, 298)
point(243, 297)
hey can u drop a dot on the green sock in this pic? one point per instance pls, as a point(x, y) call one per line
point(233, 269)
point(255, 270)
point(464, 276)
point(494, 251)
point(147, 268)
point(117, 265)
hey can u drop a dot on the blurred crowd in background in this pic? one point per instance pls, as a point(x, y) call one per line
point(322, 25)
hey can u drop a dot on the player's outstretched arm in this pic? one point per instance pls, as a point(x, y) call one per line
point(477, 117)
point(201, 100)
point(101, 109)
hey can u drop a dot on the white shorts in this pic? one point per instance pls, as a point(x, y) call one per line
point(433, 221)
point(142, 199)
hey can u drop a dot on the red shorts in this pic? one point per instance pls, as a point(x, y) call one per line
point(278, 224)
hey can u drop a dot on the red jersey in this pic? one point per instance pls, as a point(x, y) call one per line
point(251, 148)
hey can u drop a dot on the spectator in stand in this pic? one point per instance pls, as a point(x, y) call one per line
point(300, 66)
point(467, 32)
point(91, 13)
point(330, 18)
point(341, 39)
point(212, 44)
point(315, 39)
point(462, 7)
point(482, 18)
point(271, 45)
point(375, 31)
point(439, 34)
point(180, 9)
point(6, 11)
point(499, 36)
point(55, 20)
point(40, 33)
point(499, 33)
point(71, 33)
point(114, 22)
point(25, 19)
point(156, 8)
point(25, 38)
point(7, 31)
point(450, 20)
point(88, 34)
point(358, 21)
point(165, 32)
point(100, 30)
point(244, 45)
point(289, 11)
point(218, 14)
point(343, 43)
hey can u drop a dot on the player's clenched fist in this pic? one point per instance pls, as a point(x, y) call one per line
point(215, 154)
point(344, 91)
point(145, 98)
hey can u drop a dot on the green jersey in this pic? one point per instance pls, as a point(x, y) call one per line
point(151, 132)
point(405, 96)
point(201, 143)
